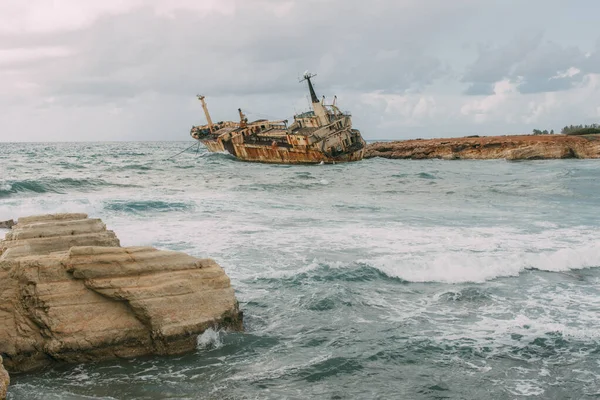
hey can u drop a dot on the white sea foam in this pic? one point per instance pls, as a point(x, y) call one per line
point(525, 388)
point(456, 267)
point(412, 253)
point(415, 254)
point(454, 256)
point(209, 339)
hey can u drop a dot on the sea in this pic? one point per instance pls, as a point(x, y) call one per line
point(379, 279)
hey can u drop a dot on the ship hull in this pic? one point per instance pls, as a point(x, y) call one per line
point(214, 145)
point(282, 155)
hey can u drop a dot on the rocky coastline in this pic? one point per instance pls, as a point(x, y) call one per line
point(70, 293)
point(522, 147)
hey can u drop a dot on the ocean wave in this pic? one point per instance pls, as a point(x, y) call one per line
point(330, 367)
point(426, 175)
point(62, 186)
point(304, 175)
point(130, 154)
point(135, 167)
point(283, 186)
point(478, 267)
point(322, 272)
point(136, 206)
point(468, 295)
point(209, 339)
point(68, 165)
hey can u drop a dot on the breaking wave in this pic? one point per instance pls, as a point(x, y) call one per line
point(128, 206)
point(477, 267)
point(209, 339)
point(62, 186)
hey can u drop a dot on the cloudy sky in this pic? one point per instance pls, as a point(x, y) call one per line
point(73, 70)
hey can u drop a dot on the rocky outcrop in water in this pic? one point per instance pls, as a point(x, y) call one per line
point(4, 381)
point(68, 293)
point(526, 147)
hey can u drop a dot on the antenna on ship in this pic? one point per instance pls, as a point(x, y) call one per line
point(210, 123)
point(318, 108)
point(313, 95)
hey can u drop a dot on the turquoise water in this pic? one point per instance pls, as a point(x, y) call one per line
point(379, 279)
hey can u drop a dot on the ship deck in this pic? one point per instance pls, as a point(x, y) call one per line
point(306, 131)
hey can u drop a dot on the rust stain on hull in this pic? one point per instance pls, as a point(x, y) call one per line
point(213, 145)
point(291, 156)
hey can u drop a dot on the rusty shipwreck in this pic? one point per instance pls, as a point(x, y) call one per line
point(324, 134)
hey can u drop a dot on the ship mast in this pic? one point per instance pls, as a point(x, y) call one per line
point(318, 108)
point(243, 119)
point(313, 95)
point(210, 123)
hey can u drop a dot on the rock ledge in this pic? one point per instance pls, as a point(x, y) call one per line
point(69, 293)
point(523, 147)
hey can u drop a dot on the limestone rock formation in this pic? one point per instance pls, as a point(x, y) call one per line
point(69, 293)
point(4, 381)
point(527, 147)
point(43, 234)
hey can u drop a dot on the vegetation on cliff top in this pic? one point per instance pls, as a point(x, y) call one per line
point(572, 130)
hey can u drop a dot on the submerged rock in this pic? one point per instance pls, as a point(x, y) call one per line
point(69, 293)
point(4, 381)
point(523, 147)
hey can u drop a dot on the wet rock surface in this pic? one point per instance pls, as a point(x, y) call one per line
point(68, 293)
point(525, 147)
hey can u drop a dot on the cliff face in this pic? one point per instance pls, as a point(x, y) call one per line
point(99, 301)
point(490, 147)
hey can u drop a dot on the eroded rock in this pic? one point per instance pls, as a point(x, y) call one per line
point(43, 234)
point(100, 301)
point(524, 147)
point(4, 381)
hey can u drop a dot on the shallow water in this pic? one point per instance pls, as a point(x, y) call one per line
point(379, 279)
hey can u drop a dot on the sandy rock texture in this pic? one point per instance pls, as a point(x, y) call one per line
point(43, 234)
point(68, 293)
point(4, 381)
point(525, 147)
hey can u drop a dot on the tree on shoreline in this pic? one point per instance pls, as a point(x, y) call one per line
point(572, 130)
point(544, 132)
point(581, 129)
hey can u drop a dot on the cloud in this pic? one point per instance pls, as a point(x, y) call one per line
point(257, 46)
point(129, 66)
point(540, 65)
point(569, 73)
point(480, 89)
point(42, 16)
point(14, 57)
point(505, 111)
point(494, 63)
point(481, 110)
